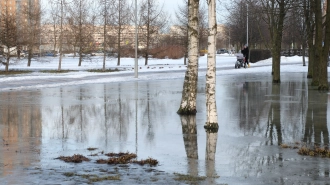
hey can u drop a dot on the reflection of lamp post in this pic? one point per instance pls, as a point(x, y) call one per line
point(40, 46)
point(229, 45)
point(136, 117)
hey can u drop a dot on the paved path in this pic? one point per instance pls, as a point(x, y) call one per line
point(38, 80)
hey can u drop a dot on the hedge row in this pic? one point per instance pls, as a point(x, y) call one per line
point(259, 54)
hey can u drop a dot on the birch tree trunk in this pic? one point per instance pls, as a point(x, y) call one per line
point(211, 107)
point(105, 19)
point(189, 92)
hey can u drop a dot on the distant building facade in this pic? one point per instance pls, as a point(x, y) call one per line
point(16, 7)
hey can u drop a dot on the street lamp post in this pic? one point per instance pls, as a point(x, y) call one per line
point(136, 43)
point(247, 24)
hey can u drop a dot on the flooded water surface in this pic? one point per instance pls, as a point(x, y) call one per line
point(255, 118)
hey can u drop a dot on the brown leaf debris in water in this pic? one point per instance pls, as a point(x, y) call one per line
point(76, 158)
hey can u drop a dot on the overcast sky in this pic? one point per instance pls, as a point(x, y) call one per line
point(171, 6)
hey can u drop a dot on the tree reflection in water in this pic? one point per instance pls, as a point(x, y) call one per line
point(316, 128)
point(274, 127)
point(211, 145)
point(189, 132)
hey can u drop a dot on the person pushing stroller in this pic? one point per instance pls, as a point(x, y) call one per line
point(245, 51)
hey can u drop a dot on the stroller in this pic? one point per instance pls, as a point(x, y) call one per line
point(240, 61)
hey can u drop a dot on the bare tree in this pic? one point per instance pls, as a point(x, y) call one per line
point(57, 19)
point(79, 26)
point(310, 29)
point(297, 14)
point(61, 5)
point(293, 27)
point(237, 22)
point(8, 32)
point(104, 4)
point(120, 19)
point(316, 5)
point(203, 27)
point(31, 29)
point(152, 20)
point(53, 22)
point(189, 92)
point(323, 72)
point(182, 19)
point(274, 12)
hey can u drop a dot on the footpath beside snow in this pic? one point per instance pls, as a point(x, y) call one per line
point(157, 69)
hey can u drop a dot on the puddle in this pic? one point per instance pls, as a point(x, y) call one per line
point(255, 117)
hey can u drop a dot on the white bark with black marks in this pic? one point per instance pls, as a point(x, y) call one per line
point(211, 108)
point(189, 93)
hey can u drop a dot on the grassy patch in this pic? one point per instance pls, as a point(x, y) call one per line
point(150, 161)
point(126, 158)
point(14, 72)
point(153, 179)
point(57, 71)
point(69, 174)
point(101, 70)
point(285, 146)
point(105, 178)
point(314, 151)
point(189, 178)
point(93, 178)
point(117, 158)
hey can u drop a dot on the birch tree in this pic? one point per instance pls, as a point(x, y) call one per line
point(152, 20)
point(105, 13)
point(211, 107)
point(59, 4)
point(189, 92)
point(78, 22)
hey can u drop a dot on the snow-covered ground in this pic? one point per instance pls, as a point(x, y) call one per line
point(157, 68)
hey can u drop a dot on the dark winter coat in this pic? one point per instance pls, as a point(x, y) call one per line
point(245, 52)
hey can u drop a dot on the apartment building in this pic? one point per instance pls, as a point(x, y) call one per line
point(25, 18)
point(93, 37)
point(16, 7)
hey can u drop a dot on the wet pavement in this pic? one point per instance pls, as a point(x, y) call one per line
point(255, 117)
